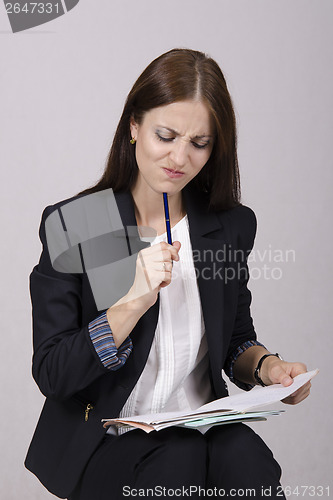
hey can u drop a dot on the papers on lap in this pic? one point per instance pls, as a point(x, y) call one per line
point(236, 408)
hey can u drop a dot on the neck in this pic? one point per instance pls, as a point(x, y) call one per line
point(149, 206)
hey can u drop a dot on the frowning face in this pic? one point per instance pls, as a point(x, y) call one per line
point(173, 143)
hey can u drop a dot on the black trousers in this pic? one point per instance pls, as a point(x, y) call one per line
point(228, 461)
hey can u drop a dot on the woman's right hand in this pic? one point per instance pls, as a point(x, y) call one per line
point(151, 275)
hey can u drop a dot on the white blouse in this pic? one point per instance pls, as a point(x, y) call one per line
point(175, 376)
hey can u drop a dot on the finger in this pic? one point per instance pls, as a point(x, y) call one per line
point(305, 388)
point(298, 395)
point(299, 391)
point(169, 250)
point(293, 400)
point(302, 390)
point(167, 266)
point(162, 252)
point(177, 244)
point(297, 369)
point(159, 256)
point(164, 267)
point(278, 375)
point(155, 270)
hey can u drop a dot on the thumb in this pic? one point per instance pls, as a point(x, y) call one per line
point(177, 244)
point(284, 378)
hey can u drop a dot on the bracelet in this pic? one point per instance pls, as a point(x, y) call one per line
point(256, 371)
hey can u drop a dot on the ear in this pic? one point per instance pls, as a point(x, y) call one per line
point(133, 128)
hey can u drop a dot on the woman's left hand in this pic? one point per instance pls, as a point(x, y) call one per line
point(275, 371)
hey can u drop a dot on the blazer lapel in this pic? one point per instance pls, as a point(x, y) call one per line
point(208, 240)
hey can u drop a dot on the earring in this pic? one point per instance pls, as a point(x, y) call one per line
point(133, 141)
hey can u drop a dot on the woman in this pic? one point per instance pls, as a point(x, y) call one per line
point(184, 317)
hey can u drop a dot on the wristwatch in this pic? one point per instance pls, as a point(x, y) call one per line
point(256, 371)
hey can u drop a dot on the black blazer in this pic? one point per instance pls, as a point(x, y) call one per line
point(68, 370)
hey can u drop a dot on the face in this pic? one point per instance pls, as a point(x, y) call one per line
point(174, 138)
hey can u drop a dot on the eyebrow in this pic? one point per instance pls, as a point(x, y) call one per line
point(177, 133)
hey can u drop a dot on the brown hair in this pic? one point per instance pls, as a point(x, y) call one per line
point(177, 75)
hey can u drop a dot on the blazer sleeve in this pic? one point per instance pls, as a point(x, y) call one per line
point(244, 226)
point(64, 358)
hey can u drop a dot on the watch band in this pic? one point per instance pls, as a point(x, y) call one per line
point(256, 371)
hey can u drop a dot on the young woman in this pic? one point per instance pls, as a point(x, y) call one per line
point(184, 318)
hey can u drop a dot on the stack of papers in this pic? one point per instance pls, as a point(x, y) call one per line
point(231, 409)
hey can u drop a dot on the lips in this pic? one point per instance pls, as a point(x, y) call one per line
point(174, 171)
point(173, 174)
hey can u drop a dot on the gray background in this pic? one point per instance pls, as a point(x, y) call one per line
point(63, 86)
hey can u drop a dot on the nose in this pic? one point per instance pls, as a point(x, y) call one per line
point(178, 154)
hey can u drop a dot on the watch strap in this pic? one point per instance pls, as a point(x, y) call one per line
point(256, 371)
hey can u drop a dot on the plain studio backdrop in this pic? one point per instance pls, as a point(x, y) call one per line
point(63, 86)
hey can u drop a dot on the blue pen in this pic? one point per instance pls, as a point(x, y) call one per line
point(167, 217)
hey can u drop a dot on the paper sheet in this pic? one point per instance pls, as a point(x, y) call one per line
point(230, 408)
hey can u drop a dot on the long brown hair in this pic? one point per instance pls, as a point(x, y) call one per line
point(177, 75)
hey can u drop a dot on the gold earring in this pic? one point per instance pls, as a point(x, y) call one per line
point(133, 141)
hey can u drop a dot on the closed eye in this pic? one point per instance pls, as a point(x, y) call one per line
point(200, 146)
point(164, 139)
point(170, 139)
